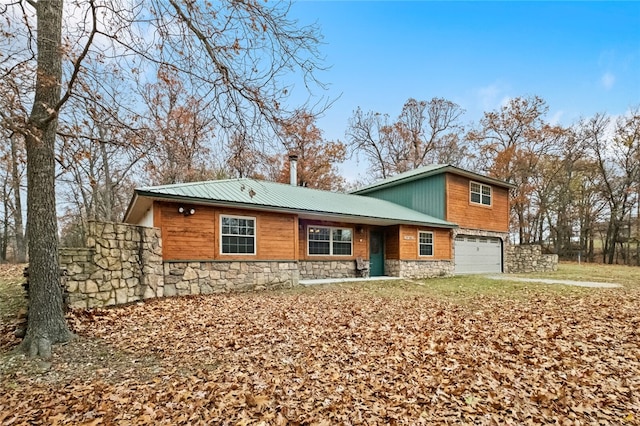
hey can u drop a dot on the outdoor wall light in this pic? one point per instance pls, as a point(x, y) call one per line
point(185, 211)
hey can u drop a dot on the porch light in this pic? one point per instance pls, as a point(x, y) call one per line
point(185, 211)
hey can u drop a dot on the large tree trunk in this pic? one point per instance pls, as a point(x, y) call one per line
point(46, 325)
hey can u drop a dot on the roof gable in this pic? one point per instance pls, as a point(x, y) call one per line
point(426, 171)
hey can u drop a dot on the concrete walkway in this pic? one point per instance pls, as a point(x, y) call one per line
point(554, 281)
point(344, 280)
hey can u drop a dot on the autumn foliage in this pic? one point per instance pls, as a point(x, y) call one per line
point(365, 354)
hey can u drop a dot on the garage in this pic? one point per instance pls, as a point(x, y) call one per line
point(478, 255)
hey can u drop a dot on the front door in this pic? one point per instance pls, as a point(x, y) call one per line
point(376, 254)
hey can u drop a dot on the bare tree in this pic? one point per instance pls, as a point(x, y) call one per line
point(234, 53)
point(617, 160)
point(425, 132)
point(317, 157)
point(509, 144)
point(180, 131)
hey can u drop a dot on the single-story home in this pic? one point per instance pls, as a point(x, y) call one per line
point(432, 221)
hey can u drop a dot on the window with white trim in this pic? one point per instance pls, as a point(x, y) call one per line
point(480, 193)
point(328, 241)
point(425, 243)
point(237, 235)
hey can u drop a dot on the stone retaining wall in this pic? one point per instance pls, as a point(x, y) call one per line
point(184, 278)
point(418, 268)
point(529, 258)
point(122, 263)
point(317, 269)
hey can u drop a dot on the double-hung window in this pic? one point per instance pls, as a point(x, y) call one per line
point(237, 235)
point(327, 241)
point(480, 194)
point(425, 243)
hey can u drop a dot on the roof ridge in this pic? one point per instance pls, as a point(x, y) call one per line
point(183, 184)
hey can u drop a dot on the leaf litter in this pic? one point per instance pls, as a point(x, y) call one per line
point(339, 356)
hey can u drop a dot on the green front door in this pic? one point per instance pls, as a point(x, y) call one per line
point(376, 254)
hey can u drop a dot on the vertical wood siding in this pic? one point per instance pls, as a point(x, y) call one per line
point(392, 242)
point(196, 237)
point(466, 214)
point(185, 237)
point(409, 243)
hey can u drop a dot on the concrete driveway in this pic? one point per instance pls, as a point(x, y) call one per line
point(554, 281)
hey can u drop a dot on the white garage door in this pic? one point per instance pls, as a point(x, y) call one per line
point(478, 255)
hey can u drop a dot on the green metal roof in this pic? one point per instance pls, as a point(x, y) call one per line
point(426, 171)
point(263, 195)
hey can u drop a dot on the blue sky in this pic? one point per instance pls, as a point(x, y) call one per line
point(581, 57)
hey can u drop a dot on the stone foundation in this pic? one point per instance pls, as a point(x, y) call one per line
point(122, 263)
point(317, 269)
point(418, 268)
point(184, 278)
point(529, 258)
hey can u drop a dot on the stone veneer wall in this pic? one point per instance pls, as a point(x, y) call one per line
point(184, 278)
point(529, 258)
point(317, 269)
point(418, 268)
point(121, 263)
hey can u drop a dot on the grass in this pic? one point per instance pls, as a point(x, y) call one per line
point(628, 276)
point(464, 289)
point(12, 296)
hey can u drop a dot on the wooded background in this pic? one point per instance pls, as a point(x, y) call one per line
point(149, 118)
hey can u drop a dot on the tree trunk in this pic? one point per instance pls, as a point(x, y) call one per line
point(4, 241)
point(46, 324)
point(21, 248)
point(107, 198)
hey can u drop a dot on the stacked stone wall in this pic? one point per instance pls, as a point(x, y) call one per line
point(318, 269)
point(122, 263)
point(184, 278)
point(418, 268)
point(529, 258)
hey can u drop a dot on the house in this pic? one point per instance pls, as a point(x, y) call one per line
point(477, 204)
point(245, 233)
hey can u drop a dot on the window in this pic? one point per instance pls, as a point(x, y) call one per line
point(238, 235)
point(425, 243)
point(480, 194)
point(329, 241)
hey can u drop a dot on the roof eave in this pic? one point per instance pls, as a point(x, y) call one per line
point(301, 212)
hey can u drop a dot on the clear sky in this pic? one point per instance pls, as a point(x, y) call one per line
point(581, 57)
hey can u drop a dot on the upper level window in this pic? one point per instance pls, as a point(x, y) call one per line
point(425, 243)
point(238, 235)
point(325, 241)
point(480, 194)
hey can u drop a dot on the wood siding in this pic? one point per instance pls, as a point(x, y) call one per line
point(185, 237)
point(408, 242)
point(392, 243)
point(466, 214)
point(360, 247)
point(196, 237)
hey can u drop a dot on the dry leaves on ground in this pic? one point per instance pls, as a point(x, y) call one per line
point(342, 356)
